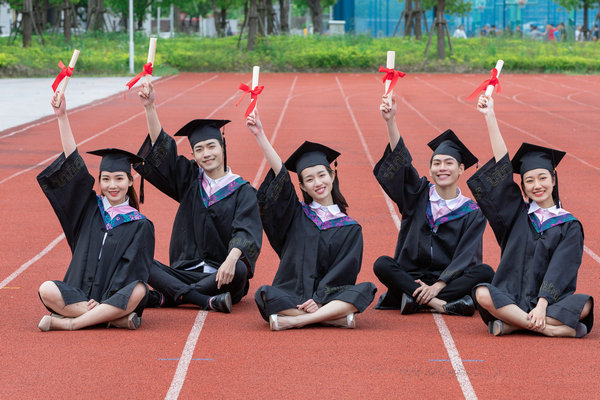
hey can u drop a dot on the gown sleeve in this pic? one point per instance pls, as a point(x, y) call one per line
point(564, 264)
point(247, 227)
point(498, 196)
point(469, 248)
point(278, 204)
point(399, 179)
point(345, 267)
point(70, 189)
point(168, 172)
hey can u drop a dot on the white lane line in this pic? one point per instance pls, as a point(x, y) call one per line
point(106, 130)
point(186, 357)
point(457, 364)
point(48, 119)
point(190, 345)
point(23, 267)
point(263, 162)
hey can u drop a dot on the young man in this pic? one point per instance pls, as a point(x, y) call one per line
point(217, 232)
point(438, 255)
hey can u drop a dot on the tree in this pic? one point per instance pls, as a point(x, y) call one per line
point(284, 14)
point(316, 11)
point(440, 25)
point(580, 4)
point(140, 8)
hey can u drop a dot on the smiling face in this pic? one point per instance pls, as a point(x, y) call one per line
point(318, 183)
point(209, 155)
point(537, 185)
point(114, 186)
point(445, 170)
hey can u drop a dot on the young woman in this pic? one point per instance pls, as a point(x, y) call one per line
point(319, 246)
point(112, 243)
point(542, 244)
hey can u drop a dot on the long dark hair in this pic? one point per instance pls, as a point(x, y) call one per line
point(131, 193)
point(336, 194)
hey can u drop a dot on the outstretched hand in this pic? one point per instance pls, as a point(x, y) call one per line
point(146, 94)
point(388, 112)
point(253, 123)
point(485, 105)
point(60, 109)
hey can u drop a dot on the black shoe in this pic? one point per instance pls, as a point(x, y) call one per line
point(463, 306)
point(155, 299)
point(388, 301)
point(409, 305)
point(221, 303)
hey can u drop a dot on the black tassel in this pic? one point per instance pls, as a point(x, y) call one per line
point(335, 166)
point(141, 190)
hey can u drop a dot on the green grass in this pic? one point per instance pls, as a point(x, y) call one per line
point(107, 54)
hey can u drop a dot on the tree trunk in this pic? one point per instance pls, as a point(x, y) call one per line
point(218, 18)
point(27, 22)
point(271, 22)
point(585, 30)
point(439, 18)
point(67, 21)
point(95, 20)
point(284, 15)
point(407, 17)
point(417, 20)
point(316, 12)
point(252, 24)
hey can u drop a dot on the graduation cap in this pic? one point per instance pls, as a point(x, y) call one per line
point(117, 160)
point(310, 154)
point(449, 144)
point(531, 156)
point(199, 130)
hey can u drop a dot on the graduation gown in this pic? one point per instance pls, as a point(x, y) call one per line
point(434, 250)
point(318, 260)
point(110, 256)
point(536, 260)
point(205, 229)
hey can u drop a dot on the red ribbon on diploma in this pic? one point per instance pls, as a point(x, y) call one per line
point(253, 96)
point(65, 72)
point(492, 81)
point(392, 75)
point(147, 71)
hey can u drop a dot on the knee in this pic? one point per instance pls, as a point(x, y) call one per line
point(487, 273)
point(482, 294)
point(382, 266)
point(49, 292)
point(241, 270)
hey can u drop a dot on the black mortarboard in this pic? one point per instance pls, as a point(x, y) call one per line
point(449, 144)
point(199, 130)
point(310, 154)
point(530, 156)
point(116, 160)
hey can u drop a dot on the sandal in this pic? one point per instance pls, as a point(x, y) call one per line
point(132, 322)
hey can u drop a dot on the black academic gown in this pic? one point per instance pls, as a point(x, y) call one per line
point(105, 272)
point(202, 232)
point(536, 261)
point(430, 250)
point(318, 260)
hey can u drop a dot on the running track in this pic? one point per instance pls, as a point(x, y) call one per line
point(189, 354)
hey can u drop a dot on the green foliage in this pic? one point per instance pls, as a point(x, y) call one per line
point(107, 54)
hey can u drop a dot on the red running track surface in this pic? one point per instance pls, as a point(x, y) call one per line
point(190, 354)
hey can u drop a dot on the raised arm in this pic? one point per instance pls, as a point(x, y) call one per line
point(66, 135)
point(485, 105)
point(255, 127)
point(389, 116)
point(146, 94)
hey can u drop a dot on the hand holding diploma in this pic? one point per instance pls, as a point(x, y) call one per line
point(254, 91)
point(64, 76)
point(391, 76)
point(489, 84)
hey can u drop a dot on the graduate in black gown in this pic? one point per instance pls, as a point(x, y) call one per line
point(319, 246)
point(111, 242)
point(438, 255)
point(217, 233)
point(541, 243)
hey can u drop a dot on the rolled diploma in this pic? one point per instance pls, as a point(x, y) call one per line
point(151, 53)
point(391, 58)
point(63, 85)
point(255, 73)
point(490, 89)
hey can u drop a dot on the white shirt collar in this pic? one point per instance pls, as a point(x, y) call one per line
point(533, 207)
point(435, 197)
point(107, 204)
point(334, 209)
point(213, 182)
